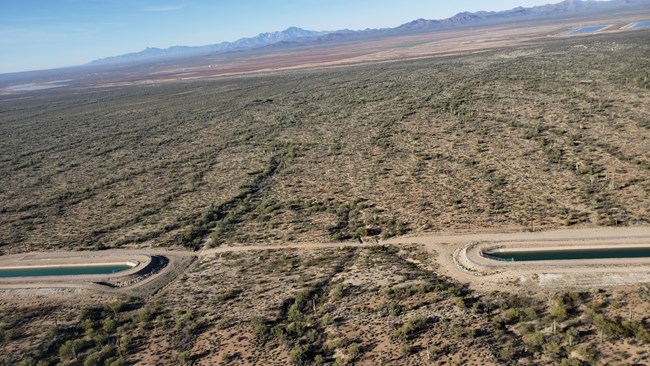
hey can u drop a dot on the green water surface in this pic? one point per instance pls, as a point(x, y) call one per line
point(62, 271)
point(552, 255)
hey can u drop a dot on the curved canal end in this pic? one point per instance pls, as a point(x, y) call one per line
point(132, 272)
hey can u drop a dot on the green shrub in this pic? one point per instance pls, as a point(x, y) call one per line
point(407, 349)
point(67, 350)
point(338, 291)
point(552, 348)
point(108, 325)
point(92, 359)
point(229, 295)
point(529, 313)
point(298, 355)
point(512, 316)
point(459, 301)
point(558, 312)
point(183, 357)
point(534, 340)
point(353, 351)
point(119, 361)
point(412, 326)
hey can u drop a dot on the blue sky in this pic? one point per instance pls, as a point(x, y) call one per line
point(41, 34)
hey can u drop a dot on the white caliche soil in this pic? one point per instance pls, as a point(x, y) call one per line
point(459, 258)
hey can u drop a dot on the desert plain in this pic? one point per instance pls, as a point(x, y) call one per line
point(313, 203)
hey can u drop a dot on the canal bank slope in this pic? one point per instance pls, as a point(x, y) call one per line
point(459, 257)
point(456, 256)
point(151, 271)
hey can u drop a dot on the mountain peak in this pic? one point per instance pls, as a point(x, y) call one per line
point(296, 35)
point(294, 29)
point(289, 35)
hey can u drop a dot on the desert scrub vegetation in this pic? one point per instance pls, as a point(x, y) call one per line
point(93, 334)
point(98, 335)
point(369, 305)
point(568, 327)
point(330, 306)
point(555, 135)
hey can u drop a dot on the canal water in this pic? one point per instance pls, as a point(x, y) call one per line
point(62, 271)
point(552, 255)
point(587, 29)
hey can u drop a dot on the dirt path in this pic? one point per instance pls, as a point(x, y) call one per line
point(594, 273)
point(299, 246)
point(434, 240)
point(444, 245)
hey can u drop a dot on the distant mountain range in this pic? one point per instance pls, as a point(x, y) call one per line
point(567, 6)
point(261, 40)
point(297, 36)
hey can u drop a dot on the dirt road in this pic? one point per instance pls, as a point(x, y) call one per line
point(446, 246)
point(593, 273)
point(434, 240)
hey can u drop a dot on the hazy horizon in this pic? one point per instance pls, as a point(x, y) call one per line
point(61, 33)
